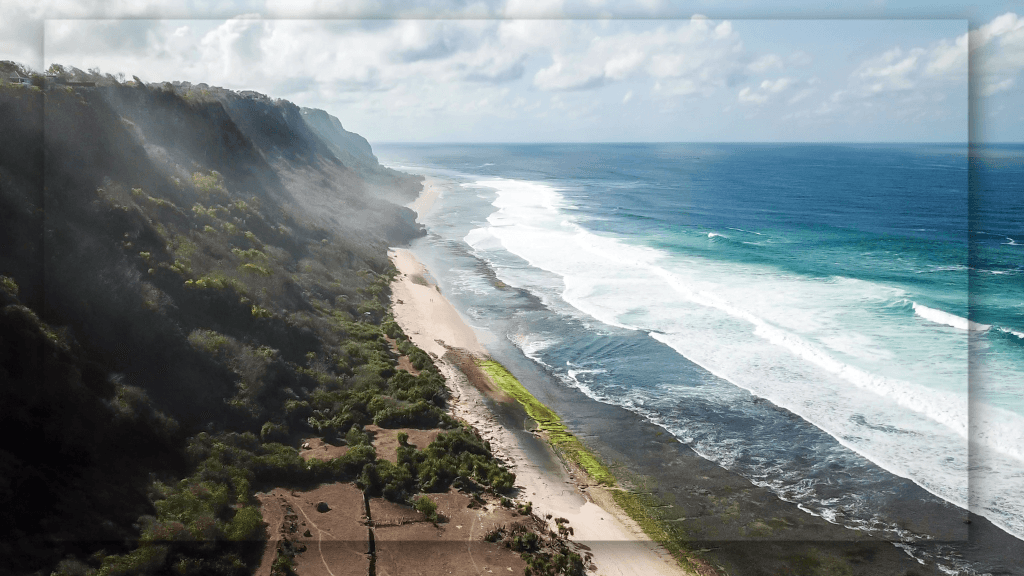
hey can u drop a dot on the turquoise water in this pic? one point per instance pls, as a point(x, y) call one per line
point(859, 287)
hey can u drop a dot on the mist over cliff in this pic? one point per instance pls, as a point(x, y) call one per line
point(176, 259)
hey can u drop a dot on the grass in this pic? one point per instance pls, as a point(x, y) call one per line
point(559, 436)
point(641, 507)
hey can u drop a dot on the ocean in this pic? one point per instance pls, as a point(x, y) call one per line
point(829, 321)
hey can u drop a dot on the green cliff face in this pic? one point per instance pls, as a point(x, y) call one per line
point(178, 260)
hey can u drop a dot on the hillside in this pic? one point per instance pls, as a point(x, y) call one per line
point(193, 280)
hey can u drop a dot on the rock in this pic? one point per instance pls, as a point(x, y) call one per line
point(322, 507)
point(307, 534)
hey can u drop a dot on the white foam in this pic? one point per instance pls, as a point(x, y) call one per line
point(480, 238)
point(839, 352)
point(1014, 332)
point(941, 317)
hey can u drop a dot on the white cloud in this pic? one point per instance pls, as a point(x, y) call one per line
point(748, 96)
point(999, 26)
point(777, 85)
point(765, 63)
point(563, 74)
point(899, 85)
point(801, 95)
point(893, 70)
point(997, 87)
point(686, 57)
point(765, 91)
point(997, 53)
point(624, 66)
point(948, 57)
point(429, 68)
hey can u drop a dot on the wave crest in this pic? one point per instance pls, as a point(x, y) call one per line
point(941, 317)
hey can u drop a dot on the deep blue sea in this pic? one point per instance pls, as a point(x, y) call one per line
point(860, 287)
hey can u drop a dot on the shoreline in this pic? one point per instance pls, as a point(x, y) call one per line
point(615, 543)
point(425, 201)
point(695, 504)
point(719, 523)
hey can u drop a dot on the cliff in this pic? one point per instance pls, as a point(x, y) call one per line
point(354, 151)
point(182, 267)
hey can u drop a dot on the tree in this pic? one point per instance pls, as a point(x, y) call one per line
point(58, 70)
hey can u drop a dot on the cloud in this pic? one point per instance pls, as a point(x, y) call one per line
point(801, 95)
point(688, 57)
point(621, 67)
point(563, 74)
point(948, 57)
point(912, 85)
point(497, 72)
point(939, 67)
point(764, 92)
point(997, 87)
point(998, 27)
point(748, 96)
point(892, 71)
point(434, 69)
point(765, 63)
point(997, 53)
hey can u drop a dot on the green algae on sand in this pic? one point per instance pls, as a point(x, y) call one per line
point(558, 435)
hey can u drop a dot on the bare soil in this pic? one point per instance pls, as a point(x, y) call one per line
point(320, 450)
point(385, 440)
point(338, 541)
point(454, 546)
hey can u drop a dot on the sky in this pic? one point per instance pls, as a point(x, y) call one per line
point(572, 70)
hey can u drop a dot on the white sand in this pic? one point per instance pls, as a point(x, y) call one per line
point(425, 201)
point(424, 313)
point(616, 543)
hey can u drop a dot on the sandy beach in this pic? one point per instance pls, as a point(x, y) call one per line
point(425, 201)
point(615, 544)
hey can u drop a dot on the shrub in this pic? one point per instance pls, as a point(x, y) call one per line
point(210, 186)
point(356, 436)
point(254, 269)
point(392, 329)
point(247, 525)
point(283, 566)
point(420, 359)
point(524, 541)
point(147, 558)
point(9, 285)
point(272, 431)
point(207, 340)
point(427, 507)
point(397, 480)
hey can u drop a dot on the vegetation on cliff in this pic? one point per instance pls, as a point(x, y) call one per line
point(191, 281)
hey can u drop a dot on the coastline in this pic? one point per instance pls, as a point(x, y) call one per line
point(695, 504)
point(615, 543)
